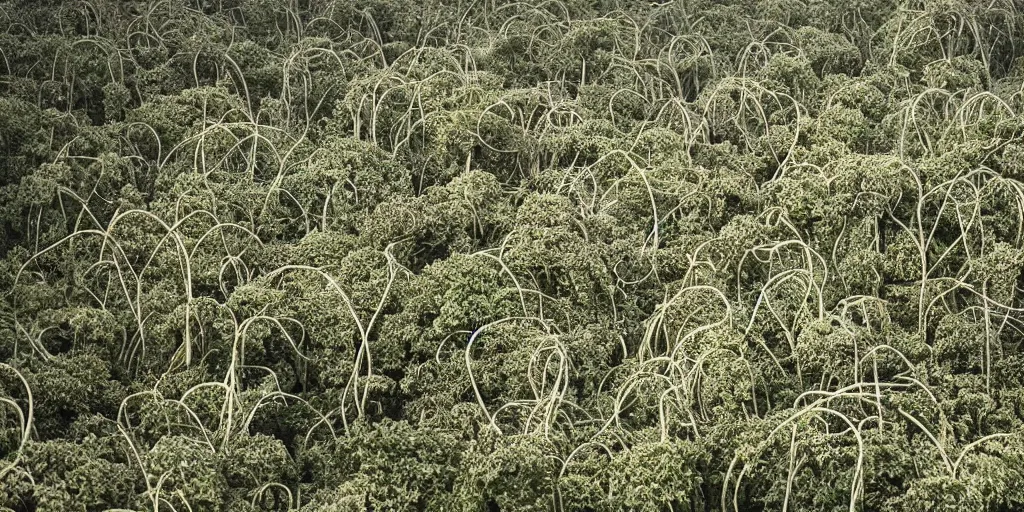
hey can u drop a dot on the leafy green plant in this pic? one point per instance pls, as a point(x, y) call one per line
point(557, 255)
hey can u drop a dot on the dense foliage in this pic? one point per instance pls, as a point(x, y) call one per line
point(477, 255)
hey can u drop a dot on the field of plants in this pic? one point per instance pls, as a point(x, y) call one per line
point(490, 255)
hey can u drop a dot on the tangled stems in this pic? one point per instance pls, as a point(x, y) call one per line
point(535, 255)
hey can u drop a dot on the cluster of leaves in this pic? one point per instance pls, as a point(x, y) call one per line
point(564, 255)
